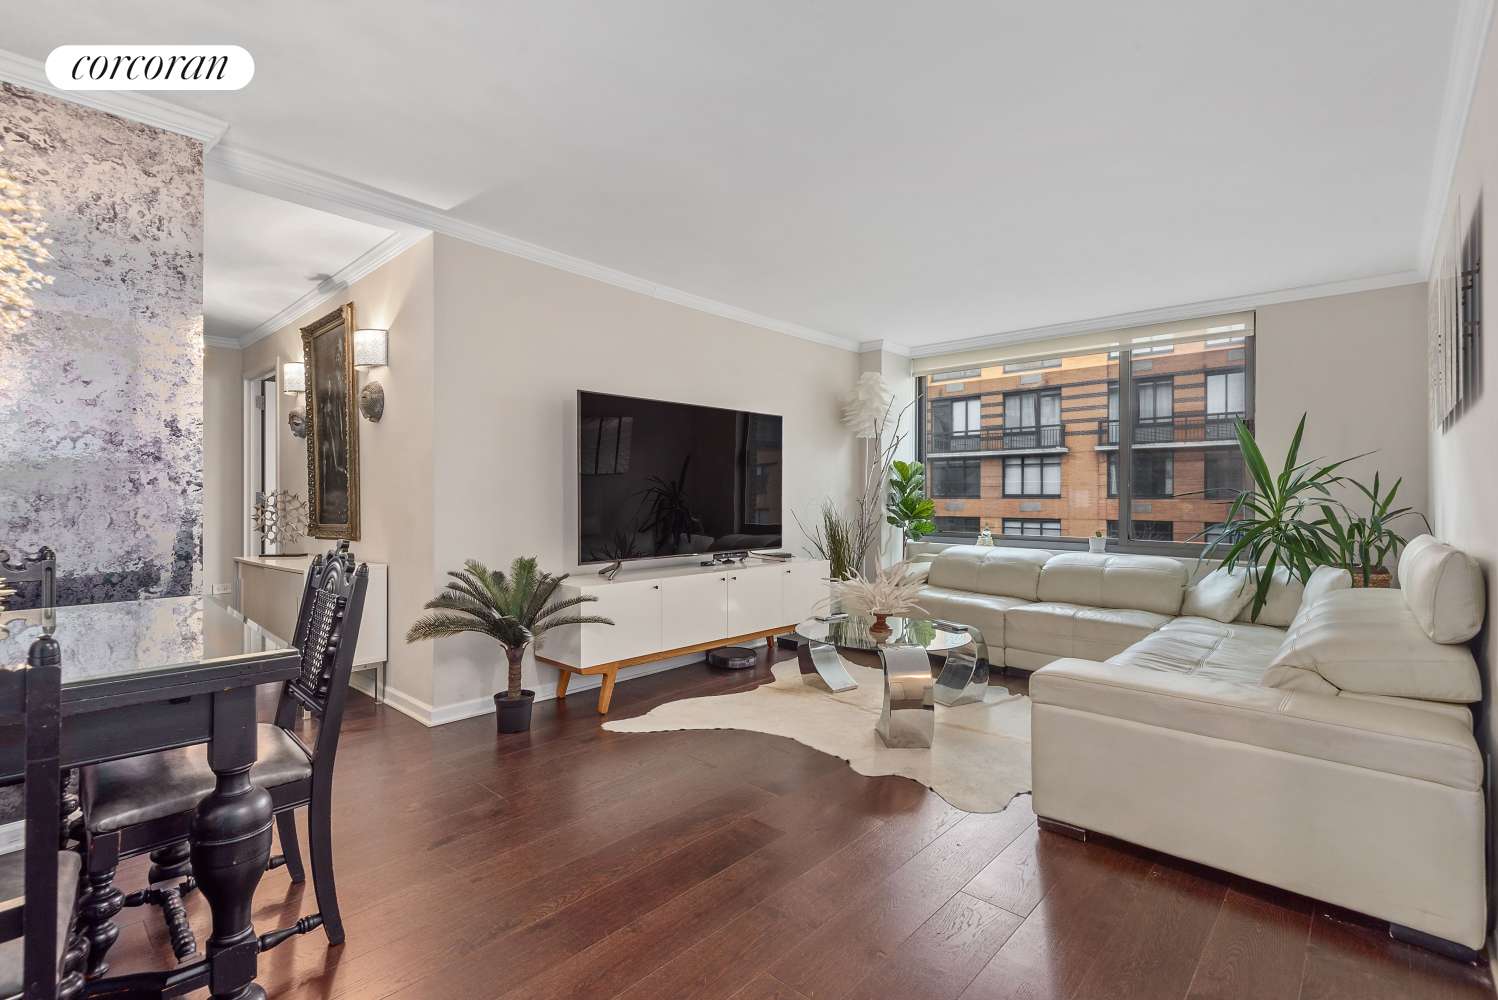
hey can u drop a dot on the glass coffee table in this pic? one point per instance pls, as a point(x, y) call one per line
point(852, 632)
point(818, 655)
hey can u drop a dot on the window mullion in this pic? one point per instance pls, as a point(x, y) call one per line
point(1126, 408)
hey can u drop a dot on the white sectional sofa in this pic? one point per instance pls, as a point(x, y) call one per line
point(1326, 748)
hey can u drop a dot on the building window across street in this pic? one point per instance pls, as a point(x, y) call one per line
point(956, 478)
point(1032, 476)
point(1033, 526)
point(1146, 531)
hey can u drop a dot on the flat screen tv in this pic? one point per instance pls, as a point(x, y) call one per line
point(658, 479)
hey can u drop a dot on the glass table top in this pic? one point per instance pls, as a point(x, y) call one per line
point(137, 638)
point(853, 633)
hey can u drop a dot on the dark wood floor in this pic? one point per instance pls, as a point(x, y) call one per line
point(574, 862)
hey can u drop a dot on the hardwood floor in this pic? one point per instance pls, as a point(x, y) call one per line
point(574, 862)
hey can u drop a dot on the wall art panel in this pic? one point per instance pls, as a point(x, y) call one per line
point(101, 357)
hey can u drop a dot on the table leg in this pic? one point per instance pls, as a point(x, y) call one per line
point(231, 838)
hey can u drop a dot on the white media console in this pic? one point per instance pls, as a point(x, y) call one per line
point(659, 612)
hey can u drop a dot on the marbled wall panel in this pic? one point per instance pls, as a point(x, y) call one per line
point(101, 388)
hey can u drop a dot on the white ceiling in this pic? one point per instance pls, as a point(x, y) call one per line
point(919, 173)
point(261, 254)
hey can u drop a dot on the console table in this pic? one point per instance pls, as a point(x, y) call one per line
point(670, 611)
point(270, 593)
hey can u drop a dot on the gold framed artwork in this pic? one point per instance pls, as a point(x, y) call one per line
point(332, 426)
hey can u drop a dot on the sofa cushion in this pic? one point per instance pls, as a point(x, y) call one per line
point(984, 612)
point(1460, 713)
point(1075, 630)
point(1219, 595)
point(1285, 593)
point(979, 569)
point(1148, 583)
point(1417, 744)
point(1369, 642)
point(1240, 654)
point(1444, 588)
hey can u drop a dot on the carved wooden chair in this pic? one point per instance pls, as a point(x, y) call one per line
point(40, 956)
point(41, 571)
point(144, 804)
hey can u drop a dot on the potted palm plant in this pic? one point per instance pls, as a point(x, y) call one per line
point(514, 610)
point(1363, 543)
point(1273, 523)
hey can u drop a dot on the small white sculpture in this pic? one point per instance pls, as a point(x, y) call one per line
point(281, 518)
point(985, 537)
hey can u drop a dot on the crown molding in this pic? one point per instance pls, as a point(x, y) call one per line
point(326, 192)
point(1193, 310)
point(381, 253)
point(211, 341)
point(135, 106)
point(884, 345)
point(1474, 22)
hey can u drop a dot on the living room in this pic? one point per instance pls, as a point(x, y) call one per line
point(667, 300)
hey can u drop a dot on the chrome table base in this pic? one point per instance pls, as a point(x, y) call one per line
point(820, 659)
point(964, 679)
point(908, 718)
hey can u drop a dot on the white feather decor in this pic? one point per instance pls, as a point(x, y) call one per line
point(868, 405)
point(893, 591)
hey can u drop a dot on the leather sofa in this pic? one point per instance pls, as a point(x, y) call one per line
point(1326, 748)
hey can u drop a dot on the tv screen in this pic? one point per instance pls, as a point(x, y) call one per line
point(660, 479)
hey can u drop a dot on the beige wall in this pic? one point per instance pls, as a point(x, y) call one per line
point(223, 465)
point(515, 342)
point(1346, 361)
point(1463, 475)
point(396, 469)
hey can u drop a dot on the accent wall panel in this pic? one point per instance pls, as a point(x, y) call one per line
point(101, 385)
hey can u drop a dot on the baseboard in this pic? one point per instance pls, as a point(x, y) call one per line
point(12, 836)
point(545, 691)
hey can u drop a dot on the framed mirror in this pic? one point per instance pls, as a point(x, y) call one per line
point(332, 426)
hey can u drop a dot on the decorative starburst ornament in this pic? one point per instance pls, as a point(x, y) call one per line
point(281, 518)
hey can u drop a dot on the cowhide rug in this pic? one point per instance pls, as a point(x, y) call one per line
point(979, 758)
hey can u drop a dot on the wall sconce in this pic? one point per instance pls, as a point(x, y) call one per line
point(293, 377)
point(371, 350)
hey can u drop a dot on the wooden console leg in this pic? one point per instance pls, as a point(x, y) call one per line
point(562, 682)
point(606, 692)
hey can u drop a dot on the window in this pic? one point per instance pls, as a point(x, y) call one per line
point(957, 376)
point(1030, 366)
point(957, 525)
point(1054, 437)
point(1032, 476)
point(1147, 531)
point(956, 478)
point(956, 425)
point(1034, 527)
point(1032, 420)
point(1224, 475)
point(1154, 474)
point(1212, 531)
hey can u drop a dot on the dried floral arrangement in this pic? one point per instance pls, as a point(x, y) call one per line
point(892, 592)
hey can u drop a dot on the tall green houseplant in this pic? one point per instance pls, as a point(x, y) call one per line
point(1273, 523)
point(514, 610)
point(908, 508)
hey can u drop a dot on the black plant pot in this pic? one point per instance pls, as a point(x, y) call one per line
point(513, 716)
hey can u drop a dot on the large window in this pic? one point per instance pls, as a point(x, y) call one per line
point(956, 425)
point(1032, 476)
point(958, 525)
point(1142, 436)
point(956, 478)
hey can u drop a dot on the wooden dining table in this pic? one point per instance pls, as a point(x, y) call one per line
point(143, 676)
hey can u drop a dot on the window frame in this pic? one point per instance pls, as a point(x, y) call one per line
point(1042, 461)
point(937, 463)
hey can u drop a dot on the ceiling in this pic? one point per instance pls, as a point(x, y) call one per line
point(923, 174)
point(261, 254)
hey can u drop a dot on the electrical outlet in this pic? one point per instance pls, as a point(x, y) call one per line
point(222, 588)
